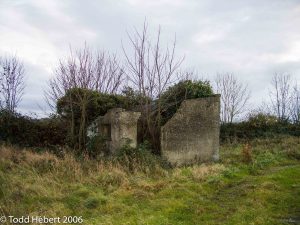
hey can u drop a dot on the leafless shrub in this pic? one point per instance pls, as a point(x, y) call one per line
point(247, 153)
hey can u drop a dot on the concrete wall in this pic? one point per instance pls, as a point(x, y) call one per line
point(118, 126)
point(192, 134)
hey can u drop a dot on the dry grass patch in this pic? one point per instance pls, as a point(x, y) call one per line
point(198, 172)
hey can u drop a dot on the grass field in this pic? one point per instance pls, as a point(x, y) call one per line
point(257, 183)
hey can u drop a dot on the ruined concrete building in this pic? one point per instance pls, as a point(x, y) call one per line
point(191, 135)
point(117, 127)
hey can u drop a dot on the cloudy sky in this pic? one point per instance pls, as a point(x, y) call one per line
point(250, 38)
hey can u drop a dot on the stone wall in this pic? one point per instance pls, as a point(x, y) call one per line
point(192, 134)
point(117, 126)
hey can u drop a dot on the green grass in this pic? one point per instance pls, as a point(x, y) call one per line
point(263, 190)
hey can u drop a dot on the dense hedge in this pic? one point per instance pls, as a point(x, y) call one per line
point(258, 126)
point(28, 132)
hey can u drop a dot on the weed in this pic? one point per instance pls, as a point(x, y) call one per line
point(230, 172)
point(247, 153)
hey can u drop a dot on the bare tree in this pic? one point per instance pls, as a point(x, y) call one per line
point(84, 70)
point(234, 96)
point(150, 70)
point(12, 84)
point(280, 96)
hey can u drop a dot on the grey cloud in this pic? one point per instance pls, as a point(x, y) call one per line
point(253, 39)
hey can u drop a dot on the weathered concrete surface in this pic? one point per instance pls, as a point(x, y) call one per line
point(117, 126)
point(192, 134)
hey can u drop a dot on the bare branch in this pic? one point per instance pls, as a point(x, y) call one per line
point(12, 75)
point(281, 96)
point(84, 70)
point(295, 104)
point(234, 97)
point(150, 69)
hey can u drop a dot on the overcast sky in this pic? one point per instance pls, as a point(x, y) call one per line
point(252, 39)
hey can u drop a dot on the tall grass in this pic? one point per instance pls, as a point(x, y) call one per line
point(133, 186)
point(34, 179)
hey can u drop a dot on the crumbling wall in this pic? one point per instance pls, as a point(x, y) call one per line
point(117, 126)
point(192, 134)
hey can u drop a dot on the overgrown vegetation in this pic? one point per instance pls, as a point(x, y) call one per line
point(129, 189)
point(69, 108)
point(258, 126)
point(29, 132)
point(67, 129)
point(187, 89)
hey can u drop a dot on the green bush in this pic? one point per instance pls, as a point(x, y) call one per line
point(172, 98)
point(257, 126)
point(29, 132)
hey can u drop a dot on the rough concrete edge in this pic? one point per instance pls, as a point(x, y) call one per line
point(187, 100)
